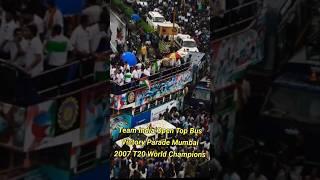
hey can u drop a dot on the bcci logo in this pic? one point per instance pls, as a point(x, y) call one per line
point(131, 97)
point(68, 113)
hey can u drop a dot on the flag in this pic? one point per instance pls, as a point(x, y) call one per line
point(146, 83)
point(156, 66)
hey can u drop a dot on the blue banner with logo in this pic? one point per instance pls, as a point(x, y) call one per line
point(141, 118)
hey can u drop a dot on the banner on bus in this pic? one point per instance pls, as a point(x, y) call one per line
point(12, 125)
point(162, 88)
point(122, 121)
point(157, 90)
point(158, 111)
point(141, 118)
point(41, 119)
point(228, 120)
point(93, 113)
point(68, 117)
point(234, 54)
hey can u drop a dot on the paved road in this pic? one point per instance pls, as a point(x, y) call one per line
point(115, 22)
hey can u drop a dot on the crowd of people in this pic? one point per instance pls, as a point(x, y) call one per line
point(145, 46)
point(37, 41)
point(166, 167)
point(122, 73)
point(192, 16)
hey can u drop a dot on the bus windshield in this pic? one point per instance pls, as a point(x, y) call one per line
point(295, 104)
point(190, 44)
point(158, 19)
point(201, 94)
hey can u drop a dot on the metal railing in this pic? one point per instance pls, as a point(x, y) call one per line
point(234, 21)
point(134, 85)
point(67, 78)
point(23, 89)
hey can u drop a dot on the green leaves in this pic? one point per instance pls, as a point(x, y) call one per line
point(128, 11)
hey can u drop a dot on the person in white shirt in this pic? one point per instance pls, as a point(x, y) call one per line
point(139, 65)
point(112, 72)
point(231, 176)
point(133, 167)
point(7, 29)
point(52, 17)
point(80, 38)
point(121, 68)
point(17, 47)
point(97, 33)
point(126, 66)
point(32, 18)
point(135, 73)
point(139, 72)
point(120, 78)
point(58, 47)
point(206, 144)
point(146, 72)
point(143, 173)
point(34, 51)
point(256, 174)
point(178, 62)
point(93, 11)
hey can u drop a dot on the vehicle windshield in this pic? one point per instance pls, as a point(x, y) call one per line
point(296, 104)
point(190, 44)
point(201, 94)
point(158, 19)
point(138, 136)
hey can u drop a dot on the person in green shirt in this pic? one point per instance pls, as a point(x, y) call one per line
point(128, 76)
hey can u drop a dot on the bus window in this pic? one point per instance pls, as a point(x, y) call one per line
point(201, 94)
point(296, 104)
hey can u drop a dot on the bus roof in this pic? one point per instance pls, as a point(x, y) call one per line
point(296, 81)
point(301, 58)
point(156, 124)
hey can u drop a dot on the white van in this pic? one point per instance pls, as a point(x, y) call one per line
point(154, 19)
point(145, 136)
point(185, 43)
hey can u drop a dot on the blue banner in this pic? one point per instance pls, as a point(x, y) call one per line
point(141, 118)
point(70, 7)
point(101, 171)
